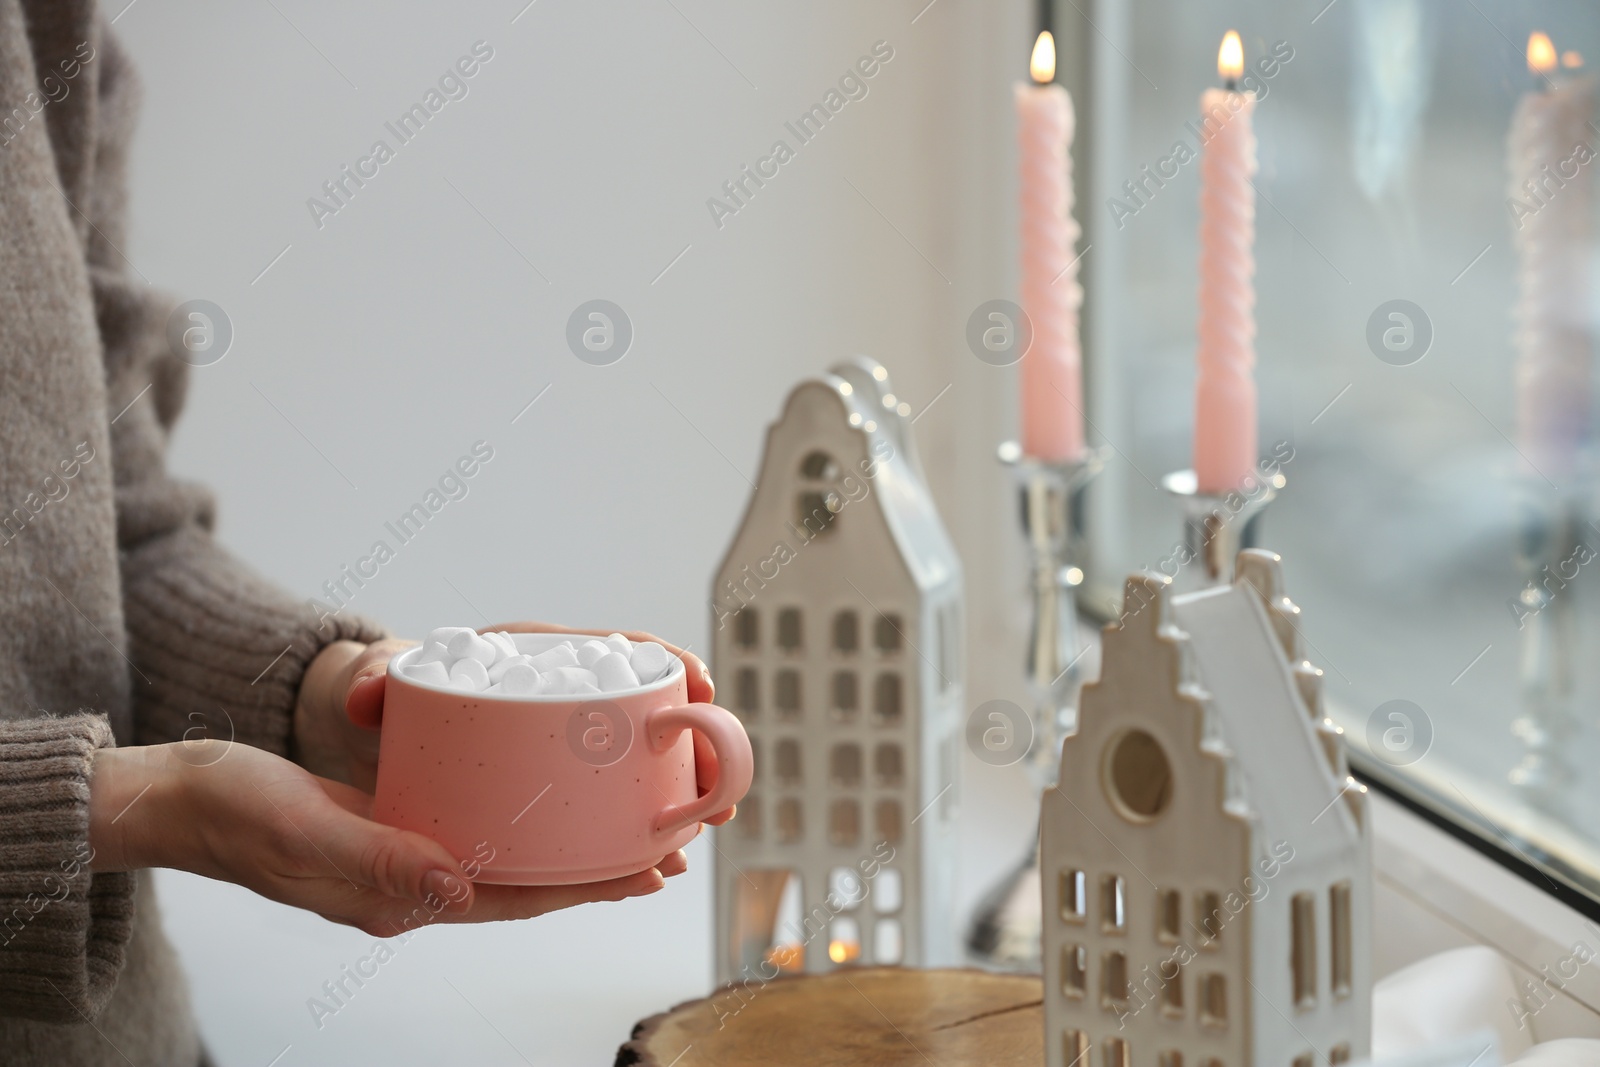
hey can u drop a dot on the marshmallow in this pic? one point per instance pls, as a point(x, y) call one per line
point(621, 644)
point(612, 673)
point(441, 635)
point(519, 680)
point(568, 681)
point(502, 665)
point(563, 655)
point(428, 673)
point(590, 652)
point(650, 662)
point(469, 645)
point(433, 653)
point(469, 674)
point(504, 647)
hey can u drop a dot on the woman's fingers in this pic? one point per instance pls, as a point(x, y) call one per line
point(365, 676)
point(706, 770)
point(394, 863)
point(497, 902)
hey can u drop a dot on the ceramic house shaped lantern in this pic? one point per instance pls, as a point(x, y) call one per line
point(836, 638)
point(1206, 856)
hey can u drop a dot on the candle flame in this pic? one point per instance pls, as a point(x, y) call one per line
point(843, 951)
point(1230, 57)
point(1541, 53)
point(1571, 59)
point(1043, 64)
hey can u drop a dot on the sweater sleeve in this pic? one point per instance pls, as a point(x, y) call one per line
point(217, 652)
point(62, 932)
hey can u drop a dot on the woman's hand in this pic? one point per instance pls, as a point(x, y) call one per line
point(241, 815)
point(339, 709)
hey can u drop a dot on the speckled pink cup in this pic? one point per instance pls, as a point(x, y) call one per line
point(553, 790)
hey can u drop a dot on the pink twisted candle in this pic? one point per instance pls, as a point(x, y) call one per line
point(1052, 388)
point(1225, 388)
point(1550, 195)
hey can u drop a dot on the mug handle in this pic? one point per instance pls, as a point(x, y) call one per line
point(735, 764)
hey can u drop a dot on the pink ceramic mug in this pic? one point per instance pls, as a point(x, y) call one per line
point(553, 790)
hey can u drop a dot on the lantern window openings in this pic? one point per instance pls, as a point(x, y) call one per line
point(844, 940)
point(1113, 904)
point(888, 700)
point(888, 634)
point(1115, 1053)
point(749, 821)
point(846, 632)
point(773, 931)
point(1074, 894)
point(844, 765)
point(1074, 1047)
point(1213, 997)
point(1303, 949)
point(888, 892)
point(790, 630)
point(888, 765)
point(788, 762)
point(1169, 916)
point(888, 941)
point(844, 822)
point(846, 696)
point(786, 693)
point(791, 824)
point(1113, 980)
point(1074, 971)
point(747, 692)
point(746, 629)
point(1170, 1058)
point(1340, 1053)
point(1209, 907)
point(846, 885)
point(1172, 992)
point(890, 821)
point(1305, 1059)
point(1340, 940)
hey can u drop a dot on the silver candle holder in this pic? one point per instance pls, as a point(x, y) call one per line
point(1216, 526)
point(1549, 552)
point(1006, 925)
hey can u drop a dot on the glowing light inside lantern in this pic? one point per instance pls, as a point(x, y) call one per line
point(1230, 57)
point(1043, 64)
point(1571, 60)
point(843, 951)
point(1541, 53)
point(787, 957)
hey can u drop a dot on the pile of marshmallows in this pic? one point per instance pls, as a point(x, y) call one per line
point(462, 658)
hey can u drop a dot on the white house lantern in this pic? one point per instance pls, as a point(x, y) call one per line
point(837, 640)
point(1206, 855)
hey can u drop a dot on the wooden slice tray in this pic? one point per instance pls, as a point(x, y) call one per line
point(883, 1016)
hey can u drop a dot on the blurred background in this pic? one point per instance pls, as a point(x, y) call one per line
point(374, 344)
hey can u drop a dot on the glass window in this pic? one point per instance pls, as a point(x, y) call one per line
point(1425, 310)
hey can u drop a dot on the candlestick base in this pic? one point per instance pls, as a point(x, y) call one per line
point(1217, 525)
point(1550, 550)
point(1051, 498)
point(1005, 929)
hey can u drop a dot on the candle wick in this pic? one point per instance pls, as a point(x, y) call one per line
point(1231, 84)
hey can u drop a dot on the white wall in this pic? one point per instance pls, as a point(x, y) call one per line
point(378, 348)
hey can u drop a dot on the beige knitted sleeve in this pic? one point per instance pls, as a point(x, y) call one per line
point(61, 930)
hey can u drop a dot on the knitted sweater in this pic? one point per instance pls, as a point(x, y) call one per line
point(123, 621)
